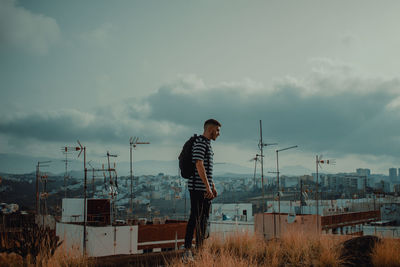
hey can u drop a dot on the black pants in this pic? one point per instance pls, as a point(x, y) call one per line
point(199, 213)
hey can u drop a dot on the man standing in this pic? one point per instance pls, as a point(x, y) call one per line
point(201, 186)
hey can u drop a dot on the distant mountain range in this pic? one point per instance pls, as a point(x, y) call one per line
point(18, 164)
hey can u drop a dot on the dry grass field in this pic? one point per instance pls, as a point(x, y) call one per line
point(296, 249)
point(243, 249)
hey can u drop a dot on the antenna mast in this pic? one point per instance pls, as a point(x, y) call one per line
point(66, 176)
point(113, 184)
point(133, 142)
point(278, 185)
point(43, 179)
point(318, 162)
point(261, 146)
point(81, 149)
point(256, 158)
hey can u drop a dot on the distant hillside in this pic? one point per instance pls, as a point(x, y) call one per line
point(19, 164)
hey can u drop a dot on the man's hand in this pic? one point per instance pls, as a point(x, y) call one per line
point(214, 191)
point(209, 194)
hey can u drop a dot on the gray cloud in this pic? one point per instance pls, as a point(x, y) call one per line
point(332, 109)
point(24, 29)
point(66, 125)
point(103, 125)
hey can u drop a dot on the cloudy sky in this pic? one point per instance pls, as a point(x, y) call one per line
point(323, 75)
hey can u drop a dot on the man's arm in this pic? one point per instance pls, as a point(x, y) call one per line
point(202, 173)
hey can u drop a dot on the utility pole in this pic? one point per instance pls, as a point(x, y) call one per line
point(133, 142)
point(277, 178)
point(261, 146)
point(318, 162)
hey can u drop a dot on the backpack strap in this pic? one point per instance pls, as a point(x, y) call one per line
point(206, 155)
point(208, 167)
point(194, 173)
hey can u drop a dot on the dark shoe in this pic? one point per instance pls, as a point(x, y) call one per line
point(187, 256)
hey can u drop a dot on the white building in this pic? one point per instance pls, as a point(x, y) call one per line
point(345, 181)
point(231, 218)
point(104, 239)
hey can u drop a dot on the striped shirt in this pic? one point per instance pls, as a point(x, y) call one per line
point(201, 151)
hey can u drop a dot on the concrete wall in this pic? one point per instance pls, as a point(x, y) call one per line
point(71, 234)
point(382, 231)
point(229, 227)
point(101, 241)
point(127, 240)
point(277, 225)
point(112, 240)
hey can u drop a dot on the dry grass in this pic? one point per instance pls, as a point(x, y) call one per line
point(63, 258)
point(386, 253)
point(59, 259)
point(244, 249)
point(11, 259)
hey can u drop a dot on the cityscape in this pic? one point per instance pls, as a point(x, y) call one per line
point(153, 188)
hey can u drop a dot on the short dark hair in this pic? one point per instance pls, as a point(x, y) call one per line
point(211, 122)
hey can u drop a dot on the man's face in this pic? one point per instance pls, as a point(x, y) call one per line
point(215, 132)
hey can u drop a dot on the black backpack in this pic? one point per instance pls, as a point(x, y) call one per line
point(185, 159)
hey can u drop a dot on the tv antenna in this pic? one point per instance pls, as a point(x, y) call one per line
point(133, 142)
point(67, 150)
point(94, 176)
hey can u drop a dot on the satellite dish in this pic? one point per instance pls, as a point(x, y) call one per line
point(291, 217)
